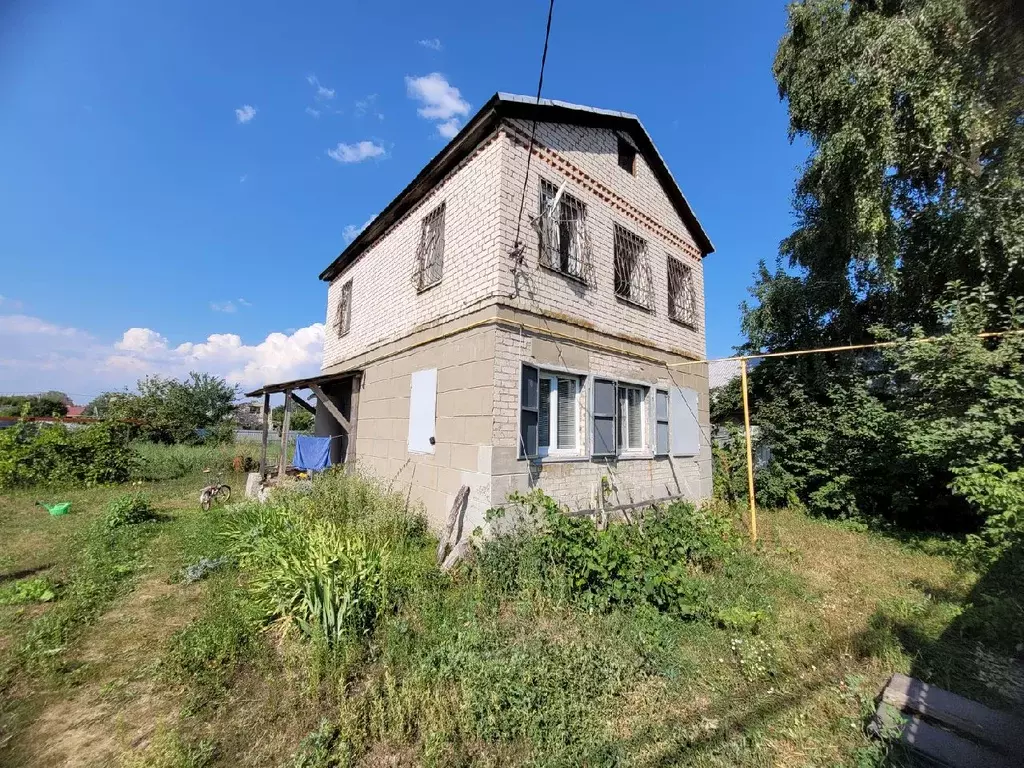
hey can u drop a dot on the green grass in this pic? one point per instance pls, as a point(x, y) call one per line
point(467, 669)
point(169, 462)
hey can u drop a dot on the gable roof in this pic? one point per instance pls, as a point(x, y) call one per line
point(507, 105)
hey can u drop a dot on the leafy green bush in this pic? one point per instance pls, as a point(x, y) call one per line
point(621, 565)
point(129, 509)
point(33, 590)
point(160, 461)
point(53, 454)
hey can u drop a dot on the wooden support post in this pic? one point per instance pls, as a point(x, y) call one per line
point(353, 423)
point(302, 403)
point(282, 461)
point(331, 407)
point(750, 451)
point(266, 435)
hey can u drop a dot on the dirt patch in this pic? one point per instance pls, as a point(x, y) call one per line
point(119, 705)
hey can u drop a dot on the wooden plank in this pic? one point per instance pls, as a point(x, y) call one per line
point(353, 424)
point(621, 507)
point(282, 461)
point(943, 747)
point(331, 408)
point(266, 436)
point(299, 401)
point(1000, 730)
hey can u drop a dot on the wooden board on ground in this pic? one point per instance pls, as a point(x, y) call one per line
point(942, 747)
point(1000, 730)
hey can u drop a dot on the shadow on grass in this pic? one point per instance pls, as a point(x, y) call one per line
point(24, 572)
point(972, 645)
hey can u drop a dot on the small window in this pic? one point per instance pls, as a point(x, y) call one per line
point(632, 270)
point(549, 405)
point(627, 155)
point(564, 245)
point(344, 320)
point(661, 423)
point(632, 418)
point(430, 255)
point(682, 298)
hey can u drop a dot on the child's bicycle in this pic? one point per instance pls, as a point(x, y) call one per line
point(216, 492)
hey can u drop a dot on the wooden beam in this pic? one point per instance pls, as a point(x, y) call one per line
point(266, 436)
point(282, 461)
point(331, 407)
point(622, 507)
point(299, 401)
point(353, 425)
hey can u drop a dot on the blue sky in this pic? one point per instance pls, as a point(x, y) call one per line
point(166, 166)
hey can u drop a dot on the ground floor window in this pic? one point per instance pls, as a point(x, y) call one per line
point(558, 414)
point(632, 418)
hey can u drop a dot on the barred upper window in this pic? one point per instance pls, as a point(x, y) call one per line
point(632, 268)
point(344, 319)
point(682, 297)
point(430, 255)
point(564, 245)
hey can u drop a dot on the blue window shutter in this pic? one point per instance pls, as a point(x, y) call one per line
point(685, 431)
point(529, 403)
point(604, 418)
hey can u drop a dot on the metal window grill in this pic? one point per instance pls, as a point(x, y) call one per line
point(632, 268)
point(345, 309)
point(682, 297)
point(430, 255)
point(562, 226)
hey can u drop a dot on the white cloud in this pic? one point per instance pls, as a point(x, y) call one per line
point(449, 127)
point(323, 93)
point(242, 178)
point(356, 153)
point(312, 112)
point(432, 43)
point(243, 303)
point(38, 355)
point(441, 101)
point(245, 113)
point(368, 105)
point(351, 232)
point(228, 307)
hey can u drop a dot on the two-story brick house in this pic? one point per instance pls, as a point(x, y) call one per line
point(456, 358)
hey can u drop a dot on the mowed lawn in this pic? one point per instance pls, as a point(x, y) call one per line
point(104, 684)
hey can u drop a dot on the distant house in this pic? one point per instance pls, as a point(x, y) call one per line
point(524, 314)
point(76, 410)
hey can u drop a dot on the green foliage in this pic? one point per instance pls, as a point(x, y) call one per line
point(208, 652)
point(163, 410)
point(53, 454)
point(160, 461)
point(33, 590)
point(129, 509)
point(317, 750)
point(331, 560)
point(45, 404)
point(300, 420)
point(621, 565)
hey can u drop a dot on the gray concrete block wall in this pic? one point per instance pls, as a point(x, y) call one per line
point(463, 424)
point(573, 482)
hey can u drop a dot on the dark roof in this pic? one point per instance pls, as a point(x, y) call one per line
point(505, 105)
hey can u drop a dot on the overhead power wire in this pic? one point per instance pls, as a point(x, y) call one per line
point(533, 129)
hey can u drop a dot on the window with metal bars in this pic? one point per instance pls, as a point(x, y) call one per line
point(682, 296)
point(344, 319)
point(632, 269)
point(430, 255)
point(564, 245)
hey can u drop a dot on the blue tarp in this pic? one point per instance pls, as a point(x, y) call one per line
point(312, 453)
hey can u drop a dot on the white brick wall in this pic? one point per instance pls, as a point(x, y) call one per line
point(385, 302)
point(587, 158)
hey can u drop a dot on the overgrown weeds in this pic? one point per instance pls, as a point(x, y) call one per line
point(129, 509)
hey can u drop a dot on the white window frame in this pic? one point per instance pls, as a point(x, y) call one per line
point(553, 451)
point(643, 409)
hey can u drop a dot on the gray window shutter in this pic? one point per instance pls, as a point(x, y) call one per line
point(685, 426)
point(604, 418)
point(529, 401)
point(661, 423)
